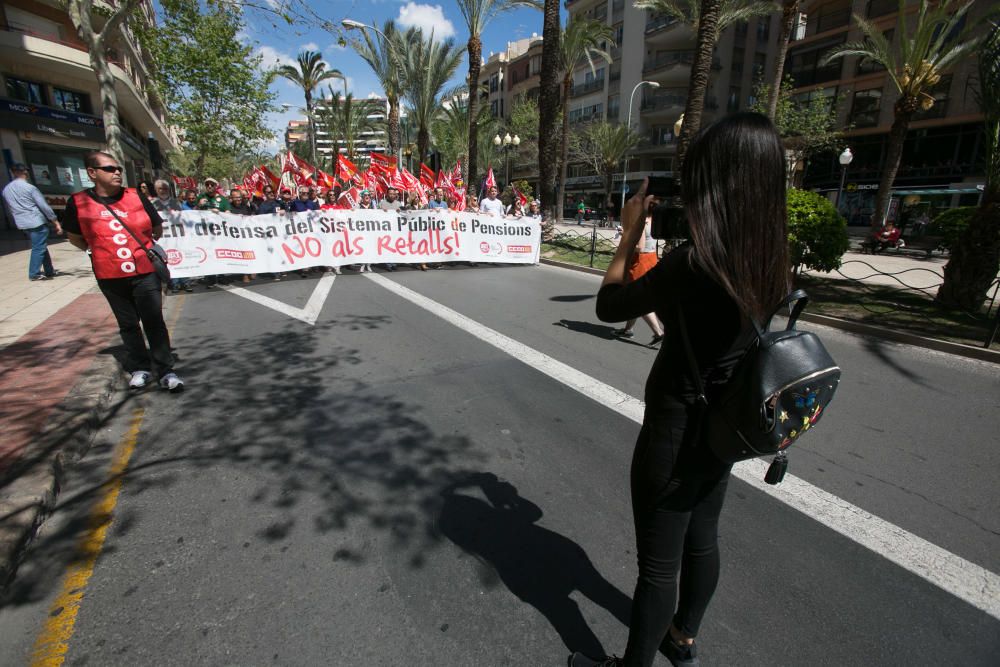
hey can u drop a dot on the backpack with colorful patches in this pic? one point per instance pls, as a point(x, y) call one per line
point(778, 390)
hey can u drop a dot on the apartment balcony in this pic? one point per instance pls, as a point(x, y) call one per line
point(673, 67)
point(670, 104)
point(815, 25)
point(586, 118)
point(666, 31)
point(582, 89)
point(657, 23)
point(67, 62)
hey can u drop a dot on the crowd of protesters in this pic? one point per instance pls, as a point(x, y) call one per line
point(281, 200)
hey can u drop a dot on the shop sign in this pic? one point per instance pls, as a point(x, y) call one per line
point(33, 118)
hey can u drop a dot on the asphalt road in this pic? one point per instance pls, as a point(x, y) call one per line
point(384, 488)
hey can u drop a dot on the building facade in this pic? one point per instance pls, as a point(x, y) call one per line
point(50, 106)
point(375, 141)
point(659, 49)
point(942, 164)
point(504, 78)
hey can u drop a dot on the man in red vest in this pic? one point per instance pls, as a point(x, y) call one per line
point(103, 220)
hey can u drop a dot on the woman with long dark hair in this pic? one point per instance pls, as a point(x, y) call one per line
point(734, 269)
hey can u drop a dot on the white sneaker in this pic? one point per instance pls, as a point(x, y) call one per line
point(140, 379)
point(172, 383)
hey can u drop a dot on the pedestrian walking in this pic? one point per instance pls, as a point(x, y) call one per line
point(32, 215)
point(643, 259)
point(103, 220)
point(712, 288)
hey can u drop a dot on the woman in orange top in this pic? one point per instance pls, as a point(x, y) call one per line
point(643, 259)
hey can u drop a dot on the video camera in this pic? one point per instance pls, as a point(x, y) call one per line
point(668, 215)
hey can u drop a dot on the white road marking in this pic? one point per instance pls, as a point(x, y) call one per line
point(953, 574)
point(309, 314)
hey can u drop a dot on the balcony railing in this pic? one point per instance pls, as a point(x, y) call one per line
point(660, 102)
point(823, 22)
point(674, 58)
point(586, 88)
point(657, 23)
point(586, 118)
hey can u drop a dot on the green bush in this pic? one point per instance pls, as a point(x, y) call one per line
point(817, 234)
point(950, 224)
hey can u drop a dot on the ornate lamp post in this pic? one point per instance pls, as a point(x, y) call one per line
point(845, 160)
point(507, 142)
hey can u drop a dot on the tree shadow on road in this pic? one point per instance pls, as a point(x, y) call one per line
point(538, 565)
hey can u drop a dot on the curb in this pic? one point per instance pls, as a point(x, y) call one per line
point(28, 500)
point(958, 349)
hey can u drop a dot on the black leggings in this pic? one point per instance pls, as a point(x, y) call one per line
point(677, 495)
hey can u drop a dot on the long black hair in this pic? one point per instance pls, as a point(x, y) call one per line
point(733, 185)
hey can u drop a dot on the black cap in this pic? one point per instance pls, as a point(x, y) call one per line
point(18, 167)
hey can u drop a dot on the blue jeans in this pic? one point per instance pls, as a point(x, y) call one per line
point(39, 251)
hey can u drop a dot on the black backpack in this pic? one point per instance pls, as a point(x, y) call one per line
point(779, 389)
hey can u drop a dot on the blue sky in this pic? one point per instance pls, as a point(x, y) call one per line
point(281, 43)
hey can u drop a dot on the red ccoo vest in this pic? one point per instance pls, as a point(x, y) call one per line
point(114, 253)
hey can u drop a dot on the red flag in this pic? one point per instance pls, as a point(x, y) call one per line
point(426, 176)
point(324, 179)
point(382, 160)
point(411, 183)
point(253, 183)
point(269, 175)
point(349, 198)
point(347, 171)
point(301, 171)
point(520, 197)
point(491, 182)
point(396, 180)
point(459, 194)
point(371, 183)
point(456, 175)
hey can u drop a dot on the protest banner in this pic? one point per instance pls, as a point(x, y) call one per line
point(200, 243)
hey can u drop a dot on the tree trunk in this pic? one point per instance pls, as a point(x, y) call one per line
point(699, 76)
point(393, 127)
point(423, 141)
point(548, 109)
point(312, 128)
point(897, 135)
point(475, 57)
point(974, 261)
point(80, 15)
point(788, 13)
point(560, 202)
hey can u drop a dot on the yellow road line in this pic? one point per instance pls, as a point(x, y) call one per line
point(52, 643)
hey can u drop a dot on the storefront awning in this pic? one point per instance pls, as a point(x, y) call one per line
point(939, 191)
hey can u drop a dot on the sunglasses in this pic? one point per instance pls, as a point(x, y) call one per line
point(110, 169)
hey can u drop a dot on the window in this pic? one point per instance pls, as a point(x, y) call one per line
point(613, 104)
point(26, 91)
point(596, 75)
point(661, 135)
point(494, 83)
point(737, 65)
point(741, 30)
point(535, 66)
point(759, 61)
point(763, 29)
point(733, 103)
point(661, 164)
point(586, 114)
point(32, 23)
point(71, 100)
point(866, 107)
point(803, 63)
point(866, 67)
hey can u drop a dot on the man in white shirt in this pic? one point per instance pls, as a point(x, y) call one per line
point(491, 205)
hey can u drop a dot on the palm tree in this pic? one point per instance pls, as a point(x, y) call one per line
point(975, 259)
point(928, 46)
point(603, 146)
point(477, 15)
point(789, 11)
point(708, 18)
point(310, 72)
point(347, 120)
point(548, 110)
point(581, 41)
point(385, 59)
point(427, 67)
point(450, 129)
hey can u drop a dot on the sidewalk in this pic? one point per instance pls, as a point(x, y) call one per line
point(56, 376)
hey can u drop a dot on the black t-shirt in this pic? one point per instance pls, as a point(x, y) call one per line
point(71, 223)
point(719, 334)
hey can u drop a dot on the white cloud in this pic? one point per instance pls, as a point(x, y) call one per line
point(309, 46)
point(426, 17)
point(271, 57)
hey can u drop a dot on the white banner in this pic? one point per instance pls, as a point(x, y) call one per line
point(200, 243)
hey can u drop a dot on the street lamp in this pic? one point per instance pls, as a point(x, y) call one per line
point(845, 159)
point(628, 126)
point(507, 142)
